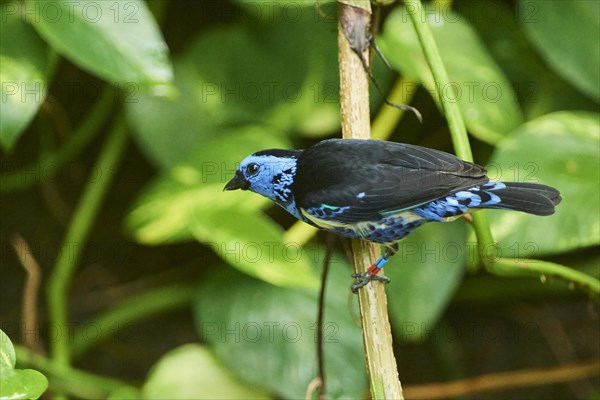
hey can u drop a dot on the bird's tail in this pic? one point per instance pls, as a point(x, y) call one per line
point(532, 198)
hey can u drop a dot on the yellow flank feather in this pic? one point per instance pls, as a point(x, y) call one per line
point(324, 223)
point(360, 228)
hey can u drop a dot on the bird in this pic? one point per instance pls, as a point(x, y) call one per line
point(381, 191)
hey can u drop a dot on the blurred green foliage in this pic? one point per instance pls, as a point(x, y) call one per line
point(250, 75)
point(486, 99)
point(26, 63)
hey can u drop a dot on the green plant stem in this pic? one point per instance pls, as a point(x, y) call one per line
point(527, 267)
point(76, 237)
point(456, 124)
point(458, 131)
point(485, 241)
point(144, 305)
point(38, 170)
point(69, 380)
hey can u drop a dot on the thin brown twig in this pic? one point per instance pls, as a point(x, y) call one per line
point(375, 26)
point(320, 314)
point(500, 381)
point(30, 335)
point(354, 311)
point(312, 386)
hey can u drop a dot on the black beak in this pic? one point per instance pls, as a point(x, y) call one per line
point(238, 182)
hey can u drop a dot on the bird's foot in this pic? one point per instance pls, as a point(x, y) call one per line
point(371, 275)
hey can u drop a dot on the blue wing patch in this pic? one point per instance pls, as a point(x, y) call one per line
point(460, 202)
point(327, 212)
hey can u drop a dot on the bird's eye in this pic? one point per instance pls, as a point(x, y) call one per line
point(252, 169)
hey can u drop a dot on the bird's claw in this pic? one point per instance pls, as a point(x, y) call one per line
point(363, 278)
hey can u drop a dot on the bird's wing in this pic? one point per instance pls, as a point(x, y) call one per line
point(347, 181)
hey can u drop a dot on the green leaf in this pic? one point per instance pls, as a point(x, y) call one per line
point(155, 119)
point(165, 211)
point(119, 42)
point(425, 273)
point(573, 47)
point(254, 244)
point(560, 150)
point(26, 63)
point(17, 383)
point(296, 94)
point(266, 334)
point(8, 357)
point(539, 90)
point(191, 371)
point(21, 384)
point(485, 97)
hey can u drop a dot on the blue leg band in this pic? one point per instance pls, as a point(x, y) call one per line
point(380, 263)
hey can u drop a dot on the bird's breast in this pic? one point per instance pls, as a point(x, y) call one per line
point(388, 229)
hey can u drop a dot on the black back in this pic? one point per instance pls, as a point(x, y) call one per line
point(392, 176)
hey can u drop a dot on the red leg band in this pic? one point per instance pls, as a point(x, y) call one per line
point(373, 269)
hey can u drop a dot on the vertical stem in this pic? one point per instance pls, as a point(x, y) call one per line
point(458, 131)
point(321, 315)
point(456, 124)
point(33, 280)
point(74, 241)
point(377, 337)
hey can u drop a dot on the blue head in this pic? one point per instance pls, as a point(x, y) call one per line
point(269, 173)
